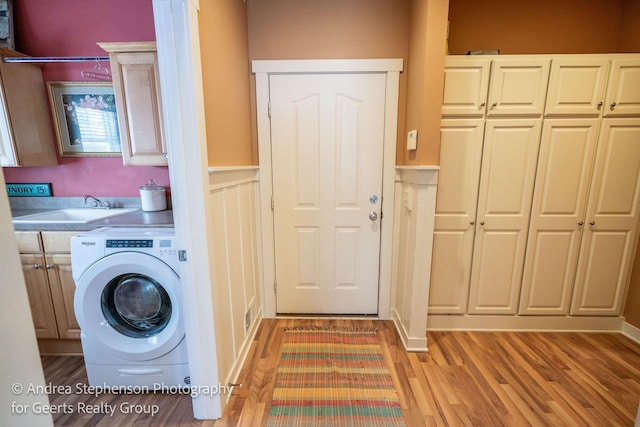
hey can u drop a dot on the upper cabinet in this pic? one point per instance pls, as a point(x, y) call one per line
point(495, 86)
point(136, 84)
point(623, 91)
point(466, 81)
point(518, 86)
point(26, 138)
point(576, 85)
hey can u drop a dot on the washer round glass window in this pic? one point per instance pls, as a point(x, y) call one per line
point(136, 305)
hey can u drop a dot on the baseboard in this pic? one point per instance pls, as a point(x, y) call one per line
point(409, 343)
point(242, 357)
point(631, 332)
point(438, 322)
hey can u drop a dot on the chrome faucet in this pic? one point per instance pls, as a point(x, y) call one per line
point(97, 203)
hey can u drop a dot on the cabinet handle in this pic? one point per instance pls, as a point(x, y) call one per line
point(36, 266)
point(613, 105)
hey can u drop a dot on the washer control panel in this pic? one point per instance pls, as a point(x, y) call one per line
point(129, 243)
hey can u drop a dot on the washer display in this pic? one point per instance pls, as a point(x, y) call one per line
point(128, 303)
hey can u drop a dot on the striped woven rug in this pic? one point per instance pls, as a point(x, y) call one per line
point(333, 377)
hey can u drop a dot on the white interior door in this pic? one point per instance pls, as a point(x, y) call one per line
point(327, 133)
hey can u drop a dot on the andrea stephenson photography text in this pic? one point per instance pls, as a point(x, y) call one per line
point(79, 407)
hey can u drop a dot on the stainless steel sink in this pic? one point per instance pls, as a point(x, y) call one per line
point(71, 215)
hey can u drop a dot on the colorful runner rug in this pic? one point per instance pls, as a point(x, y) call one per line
point(333, 377)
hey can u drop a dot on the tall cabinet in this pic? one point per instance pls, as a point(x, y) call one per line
point(539, 217)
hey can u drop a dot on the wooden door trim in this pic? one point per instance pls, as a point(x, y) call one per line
point(262, 69)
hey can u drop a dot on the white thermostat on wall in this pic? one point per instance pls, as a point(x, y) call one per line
point(412, 140)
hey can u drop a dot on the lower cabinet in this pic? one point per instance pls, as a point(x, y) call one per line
point(46, 263)
point(554, 233)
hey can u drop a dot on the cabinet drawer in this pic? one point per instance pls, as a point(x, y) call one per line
point(57, 241)
point(29, 242)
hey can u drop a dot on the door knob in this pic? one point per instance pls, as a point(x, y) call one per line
point(373, 216)
point(373, 199)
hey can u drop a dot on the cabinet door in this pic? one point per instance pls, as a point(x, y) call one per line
point(63, 289)
point(466, 82)
point(518, 86)
point(504, 205)
point(576, 85)
point(609, 238)
point(35, 277)
point(623, 90)
point(565, 163)
point(460, 157)
point(137, 86)
point(7, 148)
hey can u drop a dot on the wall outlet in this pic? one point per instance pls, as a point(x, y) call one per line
point(412, 140)
point(247, 320)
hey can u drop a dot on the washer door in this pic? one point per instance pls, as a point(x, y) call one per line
point(130, 305)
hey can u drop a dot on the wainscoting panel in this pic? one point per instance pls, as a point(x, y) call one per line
point(236, 301)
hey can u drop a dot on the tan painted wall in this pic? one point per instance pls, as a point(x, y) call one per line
point(225, 68)
point(541, 26)
point(331, 29)
point(629, 40)
point(425, 71)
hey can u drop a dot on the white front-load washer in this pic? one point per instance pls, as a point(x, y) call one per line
point(128, 303)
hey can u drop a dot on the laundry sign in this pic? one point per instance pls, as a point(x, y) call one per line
point(29, 190)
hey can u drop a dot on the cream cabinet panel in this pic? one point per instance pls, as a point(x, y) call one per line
point(610, 234)
point(466, 82)
point(518, 86)
point(576, 85)
point(460, 158)
point(623, 91)
point(42, 312)
point(504, 204)
point(565, 162)
point(136, 84)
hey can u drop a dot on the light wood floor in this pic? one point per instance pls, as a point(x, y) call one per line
point(467, 378)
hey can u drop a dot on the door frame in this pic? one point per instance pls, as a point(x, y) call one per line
point(262, 70)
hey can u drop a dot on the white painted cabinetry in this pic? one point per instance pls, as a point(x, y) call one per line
point(136, 85)
point(556, 228)
point(558, 214)
point(504, 204)
point(518, 86)
point(455, 216)
point(466, 82)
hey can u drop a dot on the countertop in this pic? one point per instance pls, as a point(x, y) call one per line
point(138, 218)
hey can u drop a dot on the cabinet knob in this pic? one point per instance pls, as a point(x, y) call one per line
point(581, 223)
point(36, 266)
point(483, 104)
point(481, 222)
point(592, 223)
point(165, 155)
point(600, 104)
point(613, 105)
point(472, 222)
point(49, 266)
point(494, 105)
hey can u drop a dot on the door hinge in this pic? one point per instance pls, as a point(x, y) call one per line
point(269, 109)
point(272, 204)
point(182, 255)
point(275, 286)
